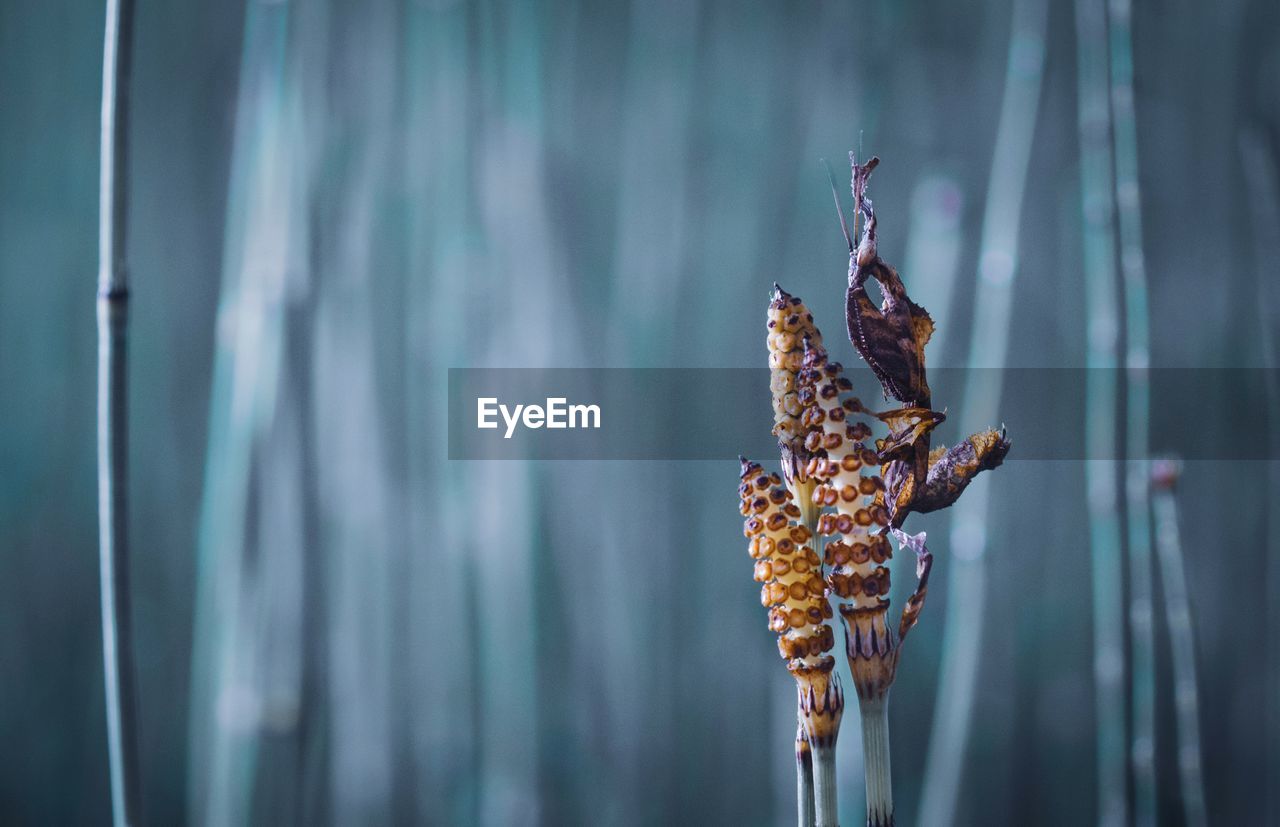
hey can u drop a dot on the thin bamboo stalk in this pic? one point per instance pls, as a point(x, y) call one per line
point(1142, 642)
point(1102, 342)
point(1173, 579)
point(984, 385)
point(113, 416)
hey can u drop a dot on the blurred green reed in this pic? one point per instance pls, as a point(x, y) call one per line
point(997, 265)
point(231, 601)
point(1137, 469)
point(1182, 648)
point(1263, 176)
point(1102, 337)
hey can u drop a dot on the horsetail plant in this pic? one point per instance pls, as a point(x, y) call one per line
point(840, 487)
point(113, 421)
point(857, 555)
point(790, 324)
point(795, 595)
point(790, 328)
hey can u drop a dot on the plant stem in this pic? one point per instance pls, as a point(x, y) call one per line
point(875, 750)
point(1182, 648)
point(113, 423)
point(1137, 398)
point(247, 364)
point(1102, 343)
point(804, 780)
point(824, 785)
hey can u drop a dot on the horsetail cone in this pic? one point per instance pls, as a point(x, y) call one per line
point(789, 323)
point(794, 592)
point(858, 553)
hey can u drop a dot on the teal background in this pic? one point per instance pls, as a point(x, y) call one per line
point(333, 203)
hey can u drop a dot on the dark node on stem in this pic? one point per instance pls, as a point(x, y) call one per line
point(115, 293)
point(804, 755)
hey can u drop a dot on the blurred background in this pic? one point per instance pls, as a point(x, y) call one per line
point(334, 203)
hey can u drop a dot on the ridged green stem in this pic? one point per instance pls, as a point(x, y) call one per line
point(824, 786)
point(875, 750)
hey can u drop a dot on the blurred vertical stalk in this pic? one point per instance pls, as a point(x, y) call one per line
point(1264, 209)
point(1133, 274)
point(447, 734)
point(354, 173)
point(1102, 344)
point(515, 182)
point(226, 696)
point(651, 243)
point(933, 244)
point(113, 416)
point(984, 381)
point(1181, 642)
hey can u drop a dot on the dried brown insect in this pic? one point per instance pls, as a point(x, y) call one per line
point(951, 470)
point(891, 339)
